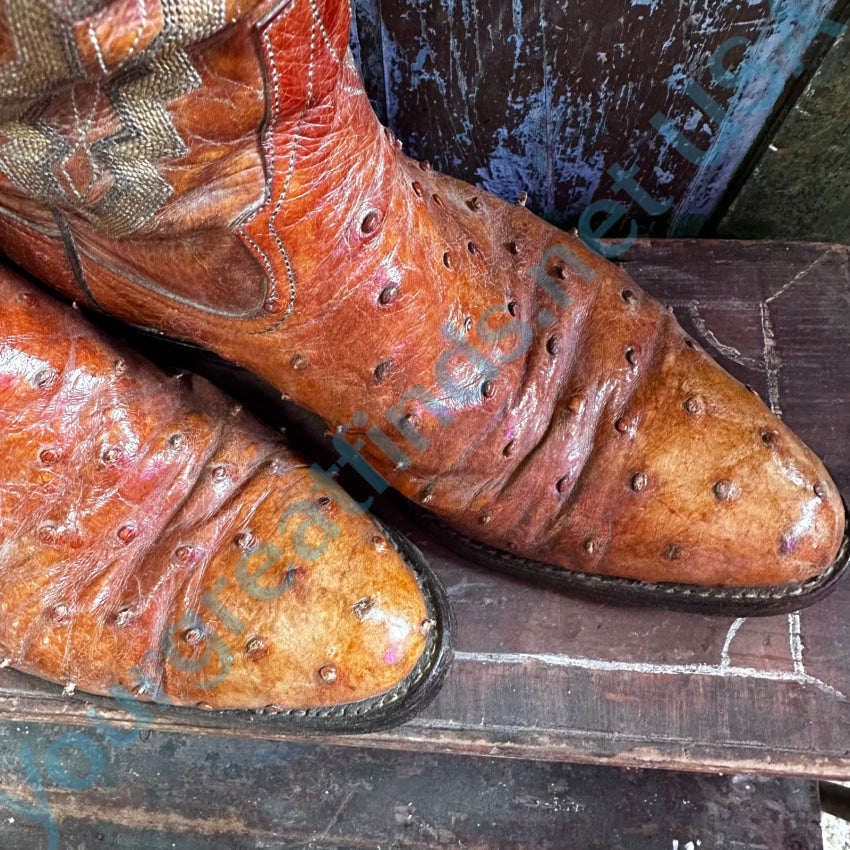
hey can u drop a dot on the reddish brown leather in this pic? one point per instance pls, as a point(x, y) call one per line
point(126, 495)
point(611, 445)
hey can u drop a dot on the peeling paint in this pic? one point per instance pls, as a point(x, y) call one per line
point(539, 97)
point(715, 173)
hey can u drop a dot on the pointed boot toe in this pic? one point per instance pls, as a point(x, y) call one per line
point(680, 487)
point(156, 539)
point(488, 366)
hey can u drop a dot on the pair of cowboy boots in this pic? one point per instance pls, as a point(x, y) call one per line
point(212, 170)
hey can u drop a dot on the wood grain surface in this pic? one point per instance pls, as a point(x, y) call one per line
point(545, 96)
point(541, 675)
point(219, 793)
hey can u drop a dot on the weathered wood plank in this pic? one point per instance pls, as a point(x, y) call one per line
point(801, 187)
point(545, 676)
point(546, 96)
point(221, 793)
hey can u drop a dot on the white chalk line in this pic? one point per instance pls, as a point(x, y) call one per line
point(725, 669)
point(729, 351)
point(795, 640)
point(772, 362)
point(597, 664)
point(800, 275)
point(725, 663)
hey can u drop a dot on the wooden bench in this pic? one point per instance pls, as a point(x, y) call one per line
point(542, 676)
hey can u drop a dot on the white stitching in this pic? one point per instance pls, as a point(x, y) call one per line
point(142, 6)
point(80, 139)
point(96, 46)
point(144, 10)
point(269, 144)
point(292, 157)
point(307, 104)
point(325, 37)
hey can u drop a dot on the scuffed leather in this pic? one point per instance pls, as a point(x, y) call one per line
point(126, 495)
point(612, 445)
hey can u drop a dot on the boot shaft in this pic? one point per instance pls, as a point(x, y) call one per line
point(196, 136)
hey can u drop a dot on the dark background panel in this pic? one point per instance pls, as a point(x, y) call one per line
point(545, 96)
point(801, 187)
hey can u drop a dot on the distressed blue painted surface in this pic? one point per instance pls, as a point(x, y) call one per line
point(543, 96)
point(714, 174)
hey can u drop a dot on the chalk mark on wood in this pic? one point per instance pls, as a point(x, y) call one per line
point(726, 350)
point(832, 249)
point(725, 663)
point(772, 363)
point(796, 641)
point(724, 669)
point(336, 816)
point(649, 668)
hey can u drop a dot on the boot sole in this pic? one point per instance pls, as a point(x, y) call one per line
point(716, 600)
point(377, 713)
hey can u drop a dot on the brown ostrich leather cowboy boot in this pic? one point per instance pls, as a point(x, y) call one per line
point(212, 169)
point(157, 540)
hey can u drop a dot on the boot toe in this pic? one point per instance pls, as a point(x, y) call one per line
point(716, 490)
